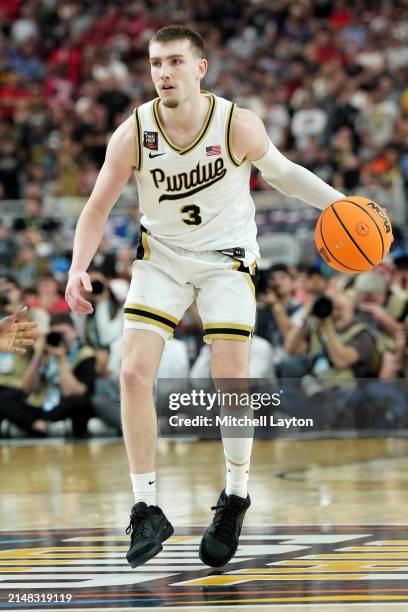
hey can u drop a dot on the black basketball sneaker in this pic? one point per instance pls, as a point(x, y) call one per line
point(220, 541)
point(148, 529)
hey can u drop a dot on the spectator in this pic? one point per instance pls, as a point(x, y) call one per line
point(13, 300)
point(60, 376)
point(8, 248)
point(387, 311)
point(328, 357)
point(10, 167)
point(328, 79)
point(34, 217)
point(331, 345)
point(13, 363)
point(308, 122)
point(25, 26)
point(49, 296)
point(401, 272)
point(279, 304)
point(378, 116)
point(105, 325)
point(315, 285)
point(103, 328)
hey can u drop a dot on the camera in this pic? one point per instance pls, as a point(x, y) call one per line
point(98, 287)
point(55, 339)
point(322, 307)
point(4, 300)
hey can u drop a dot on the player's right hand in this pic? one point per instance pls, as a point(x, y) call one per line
point(78, 282)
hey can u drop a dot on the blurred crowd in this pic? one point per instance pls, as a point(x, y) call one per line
point(329, 79)
point(336, 344)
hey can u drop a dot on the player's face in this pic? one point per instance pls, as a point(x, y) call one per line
point(176, 71)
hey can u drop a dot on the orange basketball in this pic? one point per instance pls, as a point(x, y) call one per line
point(353, 235)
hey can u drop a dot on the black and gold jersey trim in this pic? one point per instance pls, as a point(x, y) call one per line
point(250, 272)
point(201, 135)
point(228, 137)
point(239, 266)
point(140, 312)
point(139, 149)
point(227, 331)
point(143, 248)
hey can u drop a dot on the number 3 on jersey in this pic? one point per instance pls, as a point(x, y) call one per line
point(193, 213)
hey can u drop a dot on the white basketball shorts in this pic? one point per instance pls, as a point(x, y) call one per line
point(166, 281)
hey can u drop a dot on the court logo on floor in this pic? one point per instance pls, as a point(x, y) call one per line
point(86, 568)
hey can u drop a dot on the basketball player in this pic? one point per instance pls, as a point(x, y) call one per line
point(192, 153)
point(15, 334)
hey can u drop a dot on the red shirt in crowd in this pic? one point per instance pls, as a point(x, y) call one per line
point(57, 306)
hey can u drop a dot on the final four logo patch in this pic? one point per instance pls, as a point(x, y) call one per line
point(151, 140)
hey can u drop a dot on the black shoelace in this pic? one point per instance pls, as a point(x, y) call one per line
point(138, 524)
point(225, 521)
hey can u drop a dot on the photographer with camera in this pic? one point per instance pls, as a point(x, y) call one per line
point(327, 353)
point(382, 304)
point(105, 324)
point(15, 335)
point(103, 331)
point(60, 376)
point(332, 338)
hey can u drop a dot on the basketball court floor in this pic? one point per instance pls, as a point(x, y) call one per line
point(327, 529)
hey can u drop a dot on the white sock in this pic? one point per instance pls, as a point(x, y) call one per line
point(144, 488)
point(237, 453)
point(237, 479)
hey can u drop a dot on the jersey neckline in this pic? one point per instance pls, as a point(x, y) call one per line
point(206, 126)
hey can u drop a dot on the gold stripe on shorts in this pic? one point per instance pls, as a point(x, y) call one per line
point(248, 271)
point(146, 314)
point(227, 331)
point(250, 283)
point(143, 248)
point(208, 337)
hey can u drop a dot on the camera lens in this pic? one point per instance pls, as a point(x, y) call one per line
point(323, 307)
point(55, 339)
point(4, 300)
point(98, 287)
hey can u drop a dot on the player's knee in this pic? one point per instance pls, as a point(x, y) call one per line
point(136, 377)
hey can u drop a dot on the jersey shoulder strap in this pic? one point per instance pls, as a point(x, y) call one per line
point(229, 109)
point(138, 135)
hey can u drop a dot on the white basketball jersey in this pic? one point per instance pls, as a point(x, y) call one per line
point(196, 197)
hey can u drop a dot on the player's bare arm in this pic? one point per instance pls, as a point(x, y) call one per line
point(114, 175)
point(251, 141)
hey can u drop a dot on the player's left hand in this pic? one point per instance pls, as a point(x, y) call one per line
point(15, 333)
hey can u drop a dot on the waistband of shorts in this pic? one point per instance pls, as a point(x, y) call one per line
point(227, 252)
